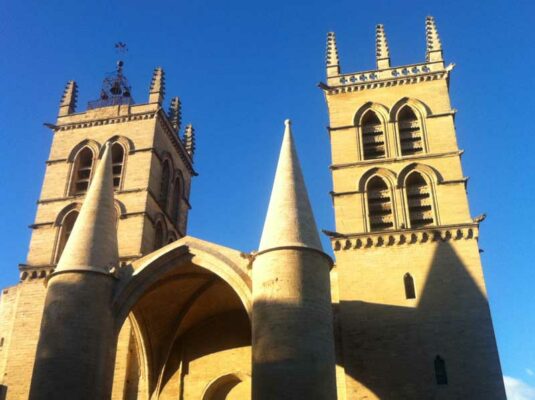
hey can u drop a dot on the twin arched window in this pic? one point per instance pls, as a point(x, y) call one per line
point(83, 168)
point(380, 202)
point(374, 134)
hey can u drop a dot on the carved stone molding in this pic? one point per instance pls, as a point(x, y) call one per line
point(401, 238)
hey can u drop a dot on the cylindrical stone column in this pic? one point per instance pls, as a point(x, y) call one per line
point(293, 338)
point(77, 343)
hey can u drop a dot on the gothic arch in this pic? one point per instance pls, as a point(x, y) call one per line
point(92, 144)
point(144, 273)
point(379, 109)
point(384, 173)
point(127, 143)
point(226, 381)
point(63, 213)
point(431, 174)
point(422, 110)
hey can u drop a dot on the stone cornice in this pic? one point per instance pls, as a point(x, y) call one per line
point(394, 76)
point(377, 162)
point(366, 240)
point(116, 119)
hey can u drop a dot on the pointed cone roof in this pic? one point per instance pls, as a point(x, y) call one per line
point(92, 245)
point(289, 220)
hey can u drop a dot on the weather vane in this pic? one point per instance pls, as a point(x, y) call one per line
point(121, 48)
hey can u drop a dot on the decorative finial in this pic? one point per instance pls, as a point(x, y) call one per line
point(175, 113)
point(434, 47)
point(382, 53)
point(157, 86)
point(288, 122)
point(332, 60)
point(68, 100)
point(189, 140)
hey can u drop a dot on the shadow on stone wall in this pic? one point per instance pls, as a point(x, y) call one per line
point(391, 349)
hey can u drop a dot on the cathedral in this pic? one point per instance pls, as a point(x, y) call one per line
point(117, 301)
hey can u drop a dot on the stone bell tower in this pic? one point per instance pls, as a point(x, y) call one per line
point(152, 169)
point(152, 166)
point(413, 314)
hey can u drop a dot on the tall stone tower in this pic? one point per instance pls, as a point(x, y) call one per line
point(152, 167)
point(413, 315)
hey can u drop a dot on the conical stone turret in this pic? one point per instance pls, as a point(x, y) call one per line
point(77, 342)
point(293, 338)
point(289, 220)
point(92, 244)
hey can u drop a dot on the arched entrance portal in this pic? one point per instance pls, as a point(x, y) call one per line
point(186, 325)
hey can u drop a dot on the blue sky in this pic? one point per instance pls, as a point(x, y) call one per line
point(241, 68)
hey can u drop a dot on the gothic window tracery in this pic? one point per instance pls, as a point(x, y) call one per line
point(410, 132)
point(419, 201)
point(373, 136)
point(380, 210)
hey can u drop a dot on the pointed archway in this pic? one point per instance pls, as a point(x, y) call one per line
point(187, 311)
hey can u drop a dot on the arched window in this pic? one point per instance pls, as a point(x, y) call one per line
point(158, 235)
point(419, 201)
point(410, 132)
point(379, 204)
point(65, 232)
point(164, 185)
point(117, 159)
point(440, 371)
point(82, 171)
point(373, 136)
point(177, 192)
point(408, 281)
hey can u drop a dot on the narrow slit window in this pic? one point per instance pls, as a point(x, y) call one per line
point(379, 205)
point(419, 201)
point(117, 159)
point(164, 186)
point(408, 281)
point(410, 132)
point(177, 191)
point(373, 137)
point(65, 232)
point(158, 236)
point(440, 371)
point(82, 171)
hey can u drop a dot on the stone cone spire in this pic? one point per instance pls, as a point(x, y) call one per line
point(289, 220)
point(92, 245)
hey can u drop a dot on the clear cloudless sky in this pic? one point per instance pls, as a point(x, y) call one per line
point(241, 68)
